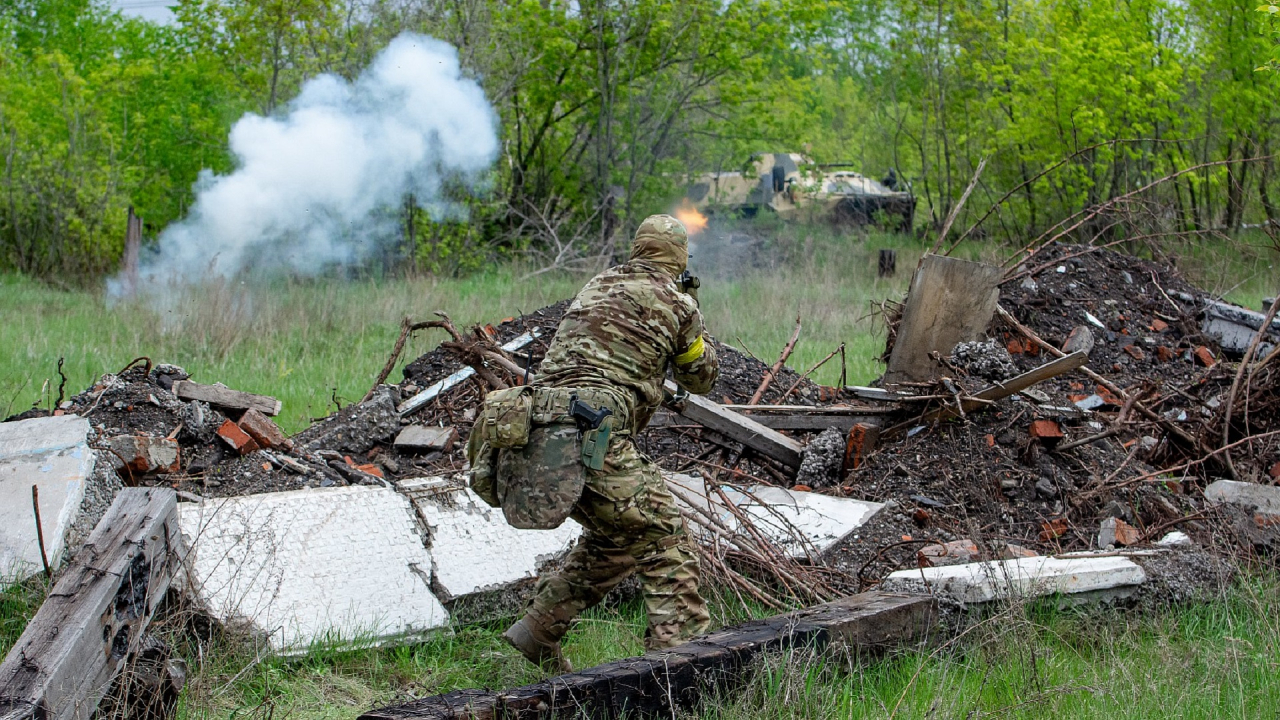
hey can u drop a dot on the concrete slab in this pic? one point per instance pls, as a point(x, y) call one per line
point(53, 454)
point(472, 546)
point(343, 566)
point(797, 522)
point(1263, 498)
point(1021, 577)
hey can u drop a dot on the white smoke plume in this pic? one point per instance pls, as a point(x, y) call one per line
point(317, 186)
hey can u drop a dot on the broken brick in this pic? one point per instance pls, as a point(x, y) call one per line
point(238, 439)
point(1165, 354)
point(1275, 471)
point(1046, 430)
point(861, 441)
point(1159, 325)
point(145, 454)
point(1053, 529)
point(1135, 352)
point(1205, 357)
point(263, 431)
point(956, 552)
point(1013, 552)
point(802, 488)
point(1266, 520)
point(370, 469)
point(991, 440)
point(1015, 346)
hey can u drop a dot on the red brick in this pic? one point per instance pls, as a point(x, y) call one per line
point(1204, 357)
point(370, 469)
point(1135, 352)
point(238, 439)
point(263, 431)
point(1127, 534)
point(861, 441)
point(802, 488)
point(1275, 471)
point(1159, 325)
point(1165, 354)
point(1046, 430)
point(1014, 347)
point(1053, 529)
point(1109, 397)
point(1013, 552)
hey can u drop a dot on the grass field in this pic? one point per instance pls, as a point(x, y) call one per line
point(310, 341)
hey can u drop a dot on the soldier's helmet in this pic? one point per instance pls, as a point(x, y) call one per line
point(663, 241)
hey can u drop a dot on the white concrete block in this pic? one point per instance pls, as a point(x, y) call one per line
point(1264, 498)
point(345, 565)
point(53, 454)
point(797, 522)
point(473, 547)
point(1021, 577)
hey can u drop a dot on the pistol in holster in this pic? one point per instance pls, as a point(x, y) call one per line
point(596, 427)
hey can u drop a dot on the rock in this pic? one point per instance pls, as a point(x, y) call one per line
point(1023, 577)
point(1080, 339)
point(1046, 489)
point(821, 459)
point(338, 565)
point(51, 453)
point(955, 552)
point(1263, 498)
point(1177, 538)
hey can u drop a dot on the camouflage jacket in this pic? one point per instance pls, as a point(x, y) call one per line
point(625, 327)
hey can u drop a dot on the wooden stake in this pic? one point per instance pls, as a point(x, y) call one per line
point(782, 360)
point(44, 558)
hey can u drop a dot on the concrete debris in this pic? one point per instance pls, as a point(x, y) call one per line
point(334, 566)
point(472, 547)
point(52, 454)
point(985, 359)
point(1263, 498)
point(1081, 338)
point(800, 523)
point(356, 429)
point(1177, 538)
point(141, 454)
point(1023, 577)
point(821, 459)
point(423, 438)
point(956, 552)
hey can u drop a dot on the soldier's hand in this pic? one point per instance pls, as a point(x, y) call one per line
point(689, 284)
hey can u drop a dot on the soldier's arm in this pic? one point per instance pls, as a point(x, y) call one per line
point(695, 364)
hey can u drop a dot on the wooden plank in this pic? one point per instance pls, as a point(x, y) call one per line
point(738, 427)
point(950, 301)
point(225, 397)
point(802, 422)
point(999, 391)
point(877, 394)
point(661, 684)
point(97, 613)
point(455, 379)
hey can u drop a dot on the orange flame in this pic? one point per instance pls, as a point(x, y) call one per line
point(694, 221)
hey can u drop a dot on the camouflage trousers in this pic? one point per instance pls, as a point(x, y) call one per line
point(631, 525)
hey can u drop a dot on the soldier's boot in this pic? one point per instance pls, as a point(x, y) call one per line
point(537, 645)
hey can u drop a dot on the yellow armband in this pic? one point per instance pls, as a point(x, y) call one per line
point(696, 348)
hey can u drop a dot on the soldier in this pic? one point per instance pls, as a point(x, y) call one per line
point(626, 326)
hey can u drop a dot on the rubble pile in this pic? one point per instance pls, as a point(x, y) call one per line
point(1076, 462)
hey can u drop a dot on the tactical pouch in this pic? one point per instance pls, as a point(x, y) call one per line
point(482, 460)
point(538, 484)
point(595, 444)
point(506, 417)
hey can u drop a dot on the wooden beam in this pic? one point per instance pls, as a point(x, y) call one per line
point(950, 301)
point(999, 391)
point(793, 417)
point(737, 427)
point(660, 684)
point(225, 397)
point(97, 613)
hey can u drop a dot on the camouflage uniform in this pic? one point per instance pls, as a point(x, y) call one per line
point(626, 326)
